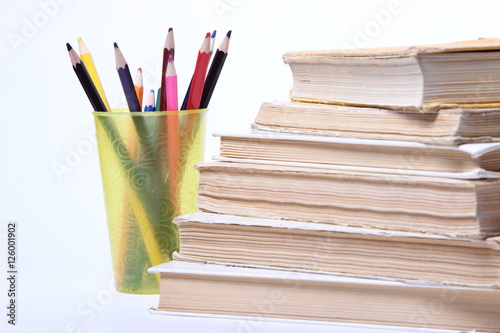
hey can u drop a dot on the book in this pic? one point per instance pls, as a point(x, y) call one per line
point(451, 207)
point(332, 249)
point(447, 127)
point(425, 78)
point(478, 160)
point(192, 289)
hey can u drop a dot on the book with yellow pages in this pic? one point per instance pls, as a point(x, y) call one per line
point(480, 160)
point(427, 77)
point(446, 206)
point(447, 127)
point(382, 254)
point(191, 289)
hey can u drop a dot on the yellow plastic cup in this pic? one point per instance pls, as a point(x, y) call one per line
point(147, 166)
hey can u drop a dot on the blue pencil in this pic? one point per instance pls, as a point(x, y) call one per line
point(126, 80)
point(212, 42)
point(150, 102)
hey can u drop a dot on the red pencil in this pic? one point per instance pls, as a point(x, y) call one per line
point(200, 72)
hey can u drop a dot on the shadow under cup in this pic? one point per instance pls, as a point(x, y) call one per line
point(147, 166)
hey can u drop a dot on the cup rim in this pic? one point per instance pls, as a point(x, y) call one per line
point(125, 112)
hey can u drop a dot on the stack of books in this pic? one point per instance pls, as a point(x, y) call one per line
point(372, 197)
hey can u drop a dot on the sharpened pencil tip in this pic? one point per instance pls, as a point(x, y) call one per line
point(140, 69)
point(69, 47)
point(152, 90)
point(208, 35)
point(80, 39)
point(228, 34)
point(170, 29)
point(213, 34)
point(116, 45)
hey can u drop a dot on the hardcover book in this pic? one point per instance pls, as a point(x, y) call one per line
point(447, 127)
point(333, 249)
point(424, 78)
point(464, 161)
point(237, 292)
point(451, 207)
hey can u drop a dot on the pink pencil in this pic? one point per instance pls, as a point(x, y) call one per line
point(171, 84)
point(175, 170)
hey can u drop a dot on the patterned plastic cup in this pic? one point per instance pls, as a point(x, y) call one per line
point(147, 166)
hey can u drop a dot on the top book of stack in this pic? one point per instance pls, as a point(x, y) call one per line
point(425, 78)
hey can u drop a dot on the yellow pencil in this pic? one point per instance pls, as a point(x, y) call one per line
point(89, 64)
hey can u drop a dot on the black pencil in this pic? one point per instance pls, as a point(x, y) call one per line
point(85, 80)
point(126, 80)
point(214, 71)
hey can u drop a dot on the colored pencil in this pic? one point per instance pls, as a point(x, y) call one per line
point(200, 72)
point(215, 70)
point(185, 100)
point(150, 101)
point(85, 80)
point(126, 81)
point(173, 144)
point(158, 97)
point(112, 134)
point(212, 42)
point(168, 50)
point(138, 86)
point(147, 146)
point(171, 84)
point(144, 213)
point(87, 60)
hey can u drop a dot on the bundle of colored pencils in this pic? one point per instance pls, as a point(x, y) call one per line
point(152, 148)
point(199, 91)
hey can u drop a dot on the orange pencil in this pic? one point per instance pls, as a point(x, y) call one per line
point(138, 86)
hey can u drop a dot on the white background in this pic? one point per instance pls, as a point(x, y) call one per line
point(45, 121)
